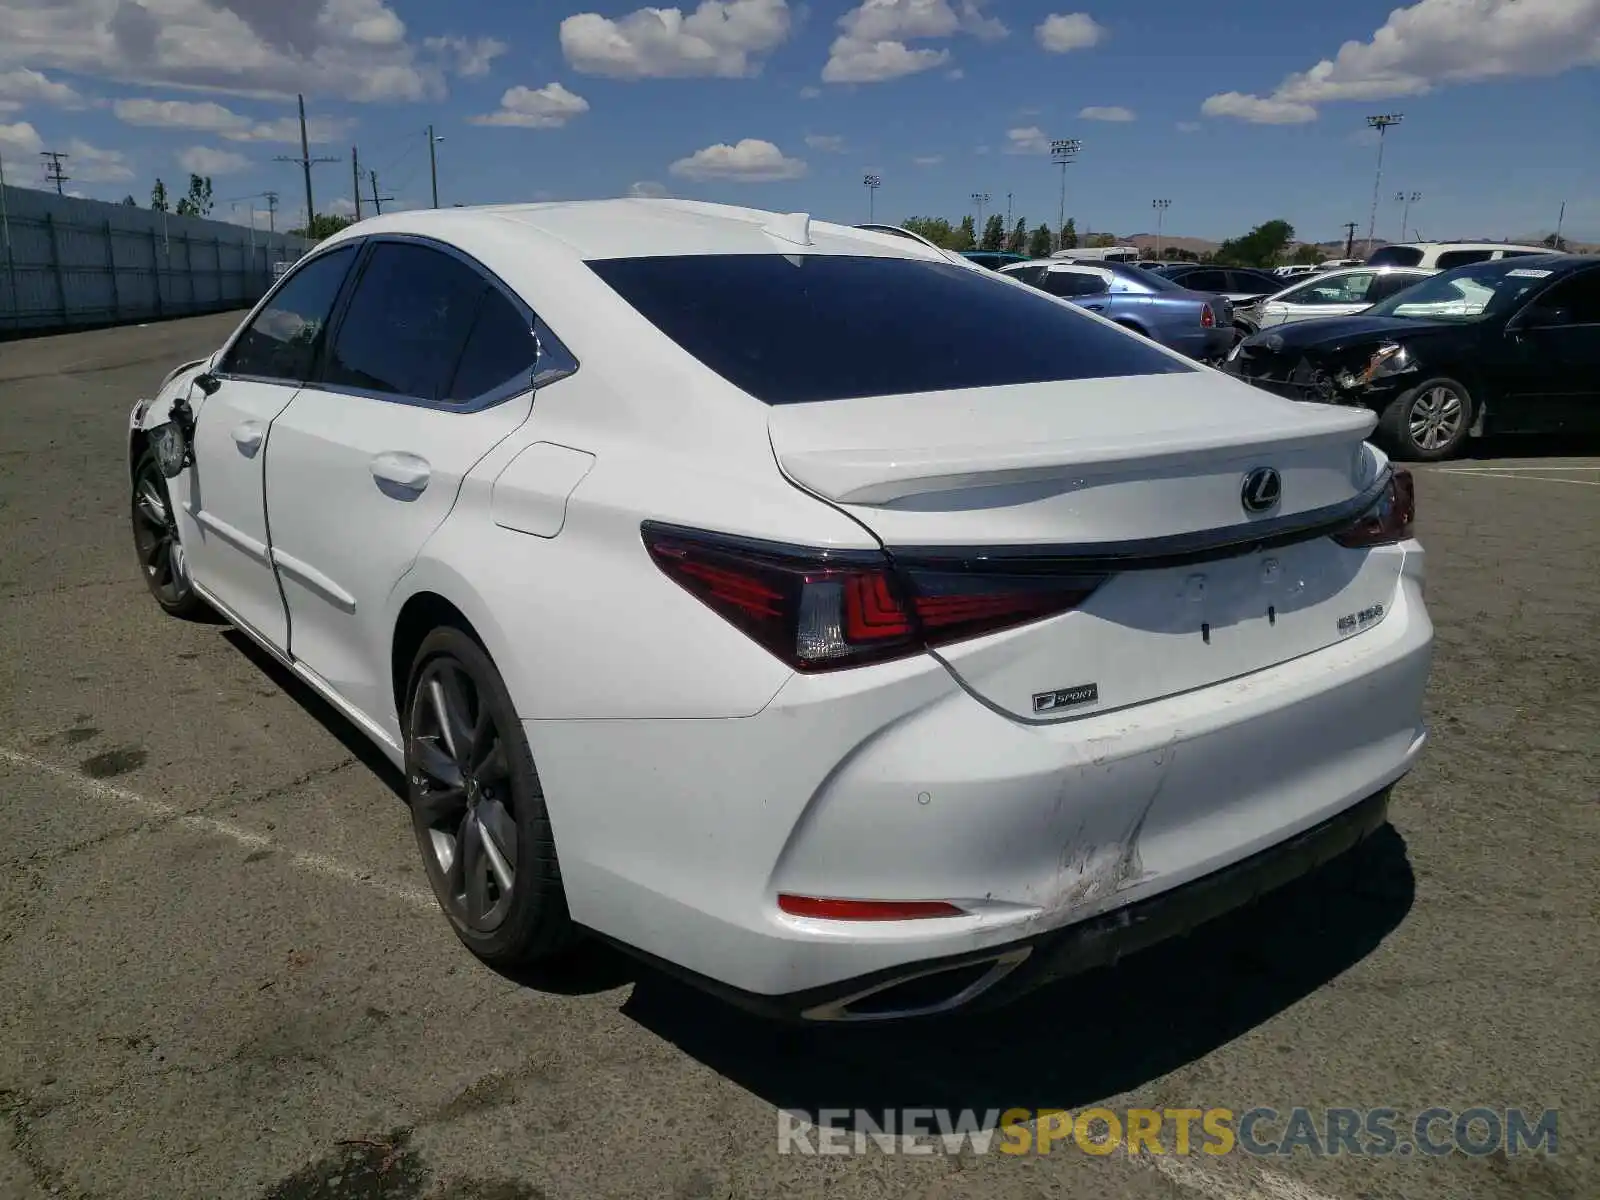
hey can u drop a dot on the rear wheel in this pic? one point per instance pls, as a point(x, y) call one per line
point(155, 539)
point(477, 808)
point(1427, 423)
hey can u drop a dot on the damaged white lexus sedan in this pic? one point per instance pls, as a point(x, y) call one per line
point(854, 633)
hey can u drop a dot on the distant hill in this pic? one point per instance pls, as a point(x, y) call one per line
point(1333, 248)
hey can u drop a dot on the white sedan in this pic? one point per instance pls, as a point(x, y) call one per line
point(1339, 293)
point(853, 632)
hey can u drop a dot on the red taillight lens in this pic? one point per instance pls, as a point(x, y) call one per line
point(1208, 319)
point(1389, 520)
point(819, 610)
point(866, 910)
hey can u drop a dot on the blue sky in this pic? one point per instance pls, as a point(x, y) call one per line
point(1236, 113)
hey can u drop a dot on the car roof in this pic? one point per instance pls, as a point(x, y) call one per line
point(635, 227)
point(1427, 246)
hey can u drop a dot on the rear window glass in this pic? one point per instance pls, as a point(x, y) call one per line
point(792, 329)
point(1395, 256)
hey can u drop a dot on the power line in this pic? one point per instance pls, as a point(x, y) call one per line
point(52, 169)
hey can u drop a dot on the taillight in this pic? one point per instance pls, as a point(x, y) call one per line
point(1389, 520)
point(821, 610)
point(1208, 319)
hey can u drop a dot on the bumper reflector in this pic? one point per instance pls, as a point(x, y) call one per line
point(866, 910)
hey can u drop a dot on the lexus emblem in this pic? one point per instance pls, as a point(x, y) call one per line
point(1261, 490)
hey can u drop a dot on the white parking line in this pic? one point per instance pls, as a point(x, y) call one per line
point(317, 864)
point(1211, 1181)
point(1506, 473)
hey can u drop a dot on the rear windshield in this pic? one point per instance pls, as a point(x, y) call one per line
point(794, 329)
point(1395, 256)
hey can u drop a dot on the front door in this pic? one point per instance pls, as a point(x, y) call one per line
point(431, 366)
point(225, 519)
point(1334, 296)
point(1549, 365)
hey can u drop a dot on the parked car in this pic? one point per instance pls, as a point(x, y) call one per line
point(1294, 271)
point(908, 235)
point(1442, 256)
point(1506, 346)
point(993, 259)
point(1105, 254)
point(1240, 285)
point(579, 513)
point(1340, 293)
point(1198, 325)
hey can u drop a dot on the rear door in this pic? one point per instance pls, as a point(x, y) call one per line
point(1550, 361)
point(430, 367)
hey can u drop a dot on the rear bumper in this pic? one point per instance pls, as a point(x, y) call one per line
point(892, 783)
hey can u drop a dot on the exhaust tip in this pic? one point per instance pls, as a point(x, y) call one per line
point(922, 993)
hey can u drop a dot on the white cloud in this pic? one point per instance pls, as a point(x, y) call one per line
point(1258, 110)
point(1431, 44)
point(470, 57)
point(928, 160)
point(872, 47)
point(1060, 33)
point(827, 143)
point(1114, 112)
point(23, 86)
point(549, 107)
point(648, 189)
point(750, 161)
point(205, 160)
point(350, 49)
point(339, 206)
point(287, 130)
point(21, 138)
point(1028, 140)
point(1188, 126)
point(723, 38)
point(810, 93)
point(205, 115)
point(90, 164)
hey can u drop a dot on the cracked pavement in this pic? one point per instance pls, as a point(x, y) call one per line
point(221, 974)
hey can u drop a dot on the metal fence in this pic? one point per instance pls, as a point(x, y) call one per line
point(67, 263)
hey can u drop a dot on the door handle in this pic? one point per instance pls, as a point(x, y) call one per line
point(402, 472)
point(247, 436)
point(1095, 307)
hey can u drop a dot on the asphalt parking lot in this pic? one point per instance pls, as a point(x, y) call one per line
point(222, 975)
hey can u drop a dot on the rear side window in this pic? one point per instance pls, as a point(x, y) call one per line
point(1074, 283)
point(407, 323)
point(1385, 286)
point(1205, 281)
point(799, 328)
point(281, 343)
point(1460, 258)
point(500, 350)
point(1395, 256)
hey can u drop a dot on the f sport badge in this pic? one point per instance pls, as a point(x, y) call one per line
point(1069, 697)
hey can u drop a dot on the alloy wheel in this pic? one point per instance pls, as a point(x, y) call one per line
point(462, 796)
point(1436, 416)
point(155, 536)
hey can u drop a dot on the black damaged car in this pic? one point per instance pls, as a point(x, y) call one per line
point(1510, 346)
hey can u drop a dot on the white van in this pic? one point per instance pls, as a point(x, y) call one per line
point(1122, 254)
point(1441, 256)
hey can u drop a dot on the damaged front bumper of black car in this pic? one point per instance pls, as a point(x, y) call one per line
point(1368, 377)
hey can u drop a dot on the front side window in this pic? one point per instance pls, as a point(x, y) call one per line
point(1574, 301)
point(407, 323)
point(1205, 281)
point(1341, 289)
point(1396, 256)
point(1460, 258)
point(1391, 284)
point(282, 341)
point(813, 327)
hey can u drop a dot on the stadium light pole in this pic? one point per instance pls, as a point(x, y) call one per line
point(1062, 152)
point(1381, 123)
point(979, 199)
point(1161, 207)
point(1406, 199)
point(872, 183)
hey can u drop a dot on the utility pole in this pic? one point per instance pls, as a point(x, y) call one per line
point(1062, 152)
point(1560, 221)
point(355, 175)
point(1406, 199)
point(979, 199)
point(1349, 237)
point(52, 169)
point(1008, 214)
point(306, 163)
point(272, 211)
point(872, 183)
point(377, 200)
point(433, 164)
point(1381, 123)
point(1161, 207)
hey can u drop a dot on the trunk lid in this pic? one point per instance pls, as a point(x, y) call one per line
point(1140, 481)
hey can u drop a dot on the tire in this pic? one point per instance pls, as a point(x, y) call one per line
point(477, 807)
point(1427, 423)
point(162, 561)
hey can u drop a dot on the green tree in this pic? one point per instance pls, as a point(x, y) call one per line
point(198, 202)
point(1263, 246)
point(323, 225)
point(1307, 254)
point(937, 230)
point(129, 202)
point(967, 235)
point(1039, 244)
point(158, 197)
point(1101, 239)
point(1069, 235)
point(1018, 241)
point(1555, 243)
point(994, 232)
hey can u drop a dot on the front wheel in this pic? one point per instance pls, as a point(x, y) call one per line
point(477, 808)
point(1427, 423)
point(162, 561)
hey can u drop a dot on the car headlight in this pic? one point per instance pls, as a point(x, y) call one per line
point(1386, 361)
